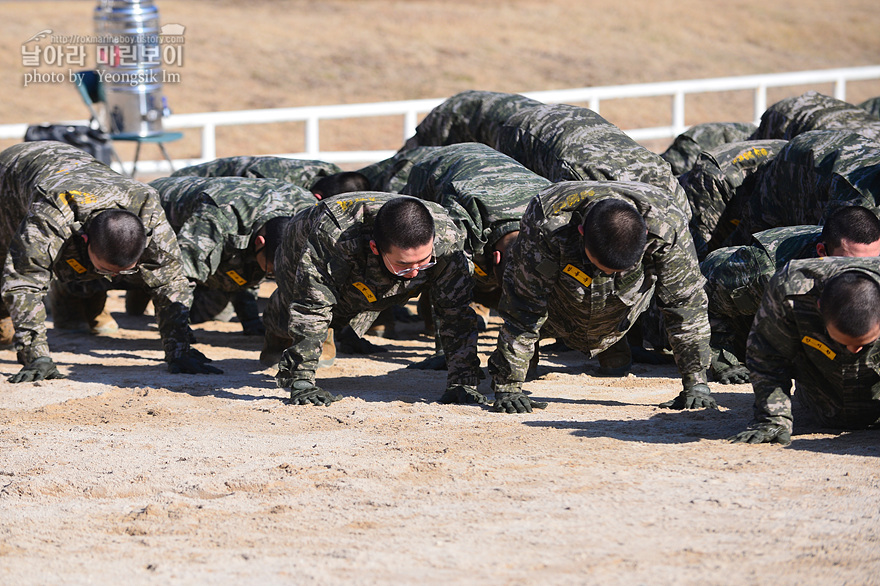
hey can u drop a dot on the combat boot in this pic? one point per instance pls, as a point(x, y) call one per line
point(328, 351)
point(99, 319)
point(7, 331)
point(616, 361)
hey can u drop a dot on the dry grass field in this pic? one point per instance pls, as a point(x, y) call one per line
point(126, 474)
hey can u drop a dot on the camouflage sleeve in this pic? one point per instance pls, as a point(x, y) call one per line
point(452, 292)
point(308, 291)
point(772, 347)
point(201, 240)
point(26, 279)
point(528, 281)
point(170, 290)
point(682, 299)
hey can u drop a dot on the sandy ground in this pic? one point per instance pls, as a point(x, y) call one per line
point(124, 473)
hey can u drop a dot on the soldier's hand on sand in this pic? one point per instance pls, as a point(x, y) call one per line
point(463, 395)
point(698, 396)
point(40, 369)
point(763, 433)
point(304, 392)
point(516, 403)
point(193, 362)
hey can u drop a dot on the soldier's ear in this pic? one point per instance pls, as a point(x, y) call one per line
point(820, 249)
point(85, 238)
point(496, 257)
point(374, 248)
point(259, 243)
point(581, 229)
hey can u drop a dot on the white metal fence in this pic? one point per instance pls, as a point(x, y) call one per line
point(410, 110)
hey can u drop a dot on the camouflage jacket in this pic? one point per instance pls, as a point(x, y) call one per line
point(813, 174)
point(550, 275)
point(469, 116)
point(737, 276)
point(568, 143)
point(687, 146)
point(300, 172)
point(50, 193)
point(871, 106)
point(487, 189)
point(789, 342)
point(718, 186)
point(391, 174)
point(790, 117)
point(327, 273)
point(216, 219)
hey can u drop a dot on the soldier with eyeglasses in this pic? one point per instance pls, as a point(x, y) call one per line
point(347, 259)
point(68, 220)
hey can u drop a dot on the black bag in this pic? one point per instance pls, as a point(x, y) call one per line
point(91, 140)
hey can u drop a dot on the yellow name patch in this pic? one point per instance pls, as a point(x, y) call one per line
point(365, 290)
point(755, 153)
point(239, 280)
point(80, 197)
point(578, 275)
point(75, 265)
point(480, 272)
point(820, 347)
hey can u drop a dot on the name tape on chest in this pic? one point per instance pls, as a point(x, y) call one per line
point(820, 347)
point(75, 265)
point(239, 280)
point(578, 275)
point(365, 290)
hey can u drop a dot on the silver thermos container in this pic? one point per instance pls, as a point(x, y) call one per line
point(129, 59)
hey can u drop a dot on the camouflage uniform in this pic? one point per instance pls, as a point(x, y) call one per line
point(301, 172)
point(719, 184)
point(790, 117)
point(687, 146)
point(50, 193)
point(469, 116)
point(488, 190)
point(327, 277)
point(216, 220)
point(814, 173)
point(568, 143)
point(391, 174)
point(737, 276)
point(550, 278)
point(789, 341)
point(872, 106)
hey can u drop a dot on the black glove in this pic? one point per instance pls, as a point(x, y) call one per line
point(763, 433)
point(39, 369)
point(463, 395)
point(727, 370)
point(193, 362)
point(303, 392)
point(697, 396)
point(515, 403)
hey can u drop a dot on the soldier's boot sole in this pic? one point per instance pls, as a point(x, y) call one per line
point(384, 326)
point(7, 331)
point(328, 351)
point(103, 323)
